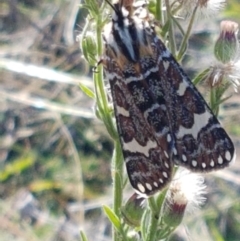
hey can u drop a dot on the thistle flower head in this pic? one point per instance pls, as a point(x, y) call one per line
point(227, 47)
point(227, 70)
point(222, 74)
point(185, 193)
point(133, 210)
point(206, 8)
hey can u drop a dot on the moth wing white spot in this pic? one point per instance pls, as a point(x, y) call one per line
point(165, 174)
point(194, 163)
point(212, 164)
point(220, 160)
point(141, 188)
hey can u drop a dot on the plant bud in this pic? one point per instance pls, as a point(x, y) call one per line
point(89, 49)
point(226, 47)
point(133, 210)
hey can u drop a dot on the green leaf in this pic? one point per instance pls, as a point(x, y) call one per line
point(92, 7)
point(165, 29)
point(89, 48)
point(201, 76)
point(224, 99)
point(145, 223)
point(160, 198)
point(83, 236)
point(87, 91)
point(112, 217)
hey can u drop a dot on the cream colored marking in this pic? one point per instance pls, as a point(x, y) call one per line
point(132, 78)
point(165, 174)
point(220, 160)
point(166, 64)
point(155, 184)
point(152, 70)
point(228, 156)
point(140, 77)
point(134, 146)
point(166, 165)
point(174, 151)
point(149, 187)
point(184, 158)
point(200, 120)
point(161, 180)
point(141, 188)
point(113, 75)
point(204, 165)
point(182, 88)
point(169, 138)
point(165, 153)
point(122, 111)
point(194, 163)
point(153, 107)
point(212, 163)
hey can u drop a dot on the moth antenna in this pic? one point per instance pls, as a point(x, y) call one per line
point(111, 5)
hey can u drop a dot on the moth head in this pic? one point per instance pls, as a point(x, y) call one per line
point(128, 35)
point(140, 9)
point(123, 9)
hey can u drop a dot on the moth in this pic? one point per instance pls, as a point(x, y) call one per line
point(161, 118)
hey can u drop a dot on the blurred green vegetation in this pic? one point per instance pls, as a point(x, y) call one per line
point(232, 10)
point(54, 161)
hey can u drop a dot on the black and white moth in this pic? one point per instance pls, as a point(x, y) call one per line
point(161, 117)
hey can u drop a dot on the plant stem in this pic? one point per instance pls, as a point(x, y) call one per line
point(172, 44)
point(184, 43)
point(159, 11)
point(117, 176)
point(151, 235)
point(101, 95)
point(99, 85)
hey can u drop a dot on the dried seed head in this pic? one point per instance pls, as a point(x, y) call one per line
point(206, 8)
point(222, 74)
point(185, 192)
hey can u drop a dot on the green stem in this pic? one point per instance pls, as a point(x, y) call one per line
point(159, 11)
point(101, 95)
point(183, 46)
point(213, 101)
point(100, 92)
point(170, 32)
point(178, 25)
point(152, 230)
point(117, 176)
point(105, 114)
point(176, 9)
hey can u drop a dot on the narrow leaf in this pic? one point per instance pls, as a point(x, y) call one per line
point(112, 217)
point(83, 236)
point(87, 91)
point(201, 76)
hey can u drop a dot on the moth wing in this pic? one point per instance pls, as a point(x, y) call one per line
point(201, 144)
point(146, 155)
